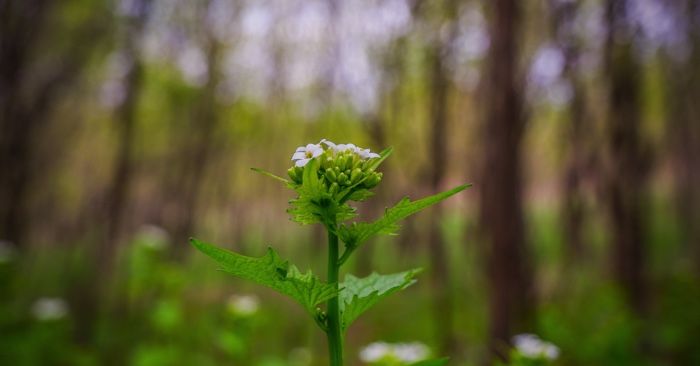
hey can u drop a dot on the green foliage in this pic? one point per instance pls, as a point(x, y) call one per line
point(359, 294)
point(315, 203)
point(271, 271)
point(357, 233)
point(435, 362)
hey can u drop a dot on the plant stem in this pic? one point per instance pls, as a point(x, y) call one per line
point(335, 340)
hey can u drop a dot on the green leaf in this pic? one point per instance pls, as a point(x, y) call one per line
point(382, 156)
point(314, 203)
point(357, 233)
point(271, 175)
point(435, 362)
point(271, 271)
point(359, 294)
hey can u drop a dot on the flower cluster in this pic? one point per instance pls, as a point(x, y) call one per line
point(531, 346)
point(341, 165)
point(382, 352)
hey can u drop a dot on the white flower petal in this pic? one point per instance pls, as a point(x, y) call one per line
point(299, 155)
point(327, 143)
point(301, 162)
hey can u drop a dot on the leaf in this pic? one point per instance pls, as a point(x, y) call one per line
point(382, 156)
point(434, 362)
point(271, 271)
point(357, 233)
point(314, 203)
point(360, 294)
point(271, 175)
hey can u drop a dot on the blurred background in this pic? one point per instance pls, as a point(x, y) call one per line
point(127, 126)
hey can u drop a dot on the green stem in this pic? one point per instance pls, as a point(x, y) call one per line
point(335, 340)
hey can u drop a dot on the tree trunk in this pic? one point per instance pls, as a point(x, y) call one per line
point(626, 180)
point(20, 114)
point(501, 211)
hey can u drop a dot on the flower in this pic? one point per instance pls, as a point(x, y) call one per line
point(403, 352)
point(341, 148)
point(49, 308)
point(531, 346)
point(304, 154)
point(243, 305)
point(375, 352)
point(7, 252)
point(153, 237)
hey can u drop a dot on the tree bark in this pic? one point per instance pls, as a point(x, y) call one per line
point(501, 211)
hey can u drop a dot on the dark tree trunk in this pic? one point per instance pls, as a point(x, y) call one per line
point(20, 114)
point(684, 132)
point(197, 153)
point(627, 177)
point(501, 211)
point(563, 15)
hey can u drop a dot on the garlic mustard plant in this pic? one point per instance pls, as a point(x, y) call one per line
point(326, 178)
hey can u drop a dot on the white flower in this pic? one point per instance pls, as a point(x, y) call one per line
point(304, 154)
point(49, 308)
point(411, 352)
point(153, 237)
point(328, 143)
point(375, 352)
point(340, 148)
point(531, 346)
point(243, 305)
point(7, 251)
point(404, 352)
point(367, 154)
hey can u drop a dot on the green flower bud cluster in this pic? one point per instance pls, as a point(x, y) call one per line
point(340, 170)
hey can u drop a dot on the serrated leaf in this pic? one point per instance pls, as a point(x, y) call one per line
point(360, 294)
point(357, 233)
point(271, 271)
point(436, 362)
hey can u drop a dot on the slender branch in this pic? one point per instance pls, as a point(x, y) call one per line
point(335, 341)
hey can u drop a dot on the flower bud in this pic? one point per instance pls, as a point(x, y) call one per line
point(331, 176)
point(342, 178)
point(373, 179)
point(294, 174)
point(356, 175)
point(334, 188)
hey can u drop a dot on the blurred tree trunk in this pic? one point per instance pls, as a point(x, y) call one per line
point(126, 119)
point(439, 84)
point(683, 79)
point(501, 211)
point(563, 15)
point(196, 153)
point(626, 182)
point(21, 113)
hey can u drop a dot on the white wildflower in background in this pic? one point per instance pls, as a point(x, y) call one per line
point(531, 346)
point(411, 352)
point(403, 352)
point(7, 252)
point(301, 356)
point(243, 305)
point(304, 154)
point(49, 308)
point(153, 237)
